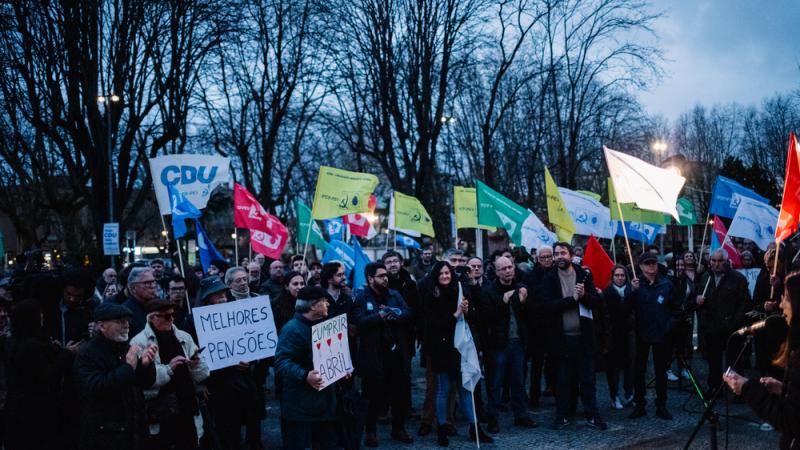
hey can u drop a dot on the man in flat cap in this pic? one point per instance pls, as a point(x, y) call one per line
point(111, 376)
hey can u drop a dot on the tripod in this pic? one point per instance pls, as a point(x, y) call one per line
point(708, 413)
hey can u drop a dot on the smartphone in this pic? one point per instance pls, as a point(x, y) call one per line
point(197, 352)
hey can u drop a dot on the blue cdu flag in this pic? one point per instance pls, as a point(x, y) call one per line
point(182, 209)
point(208, 252)
point(727, 195)
point(335, 229)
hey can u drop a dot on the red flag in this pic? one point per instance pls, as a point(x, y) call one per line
point(720, 232)
point(790, 205)
point(597, 260)
point(359, 225)
point(268, 236)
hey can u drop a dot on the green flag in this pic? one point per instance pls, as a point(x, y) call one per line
point(686, 214)
point(496, 210)
point(633, 213)
point(303, 218)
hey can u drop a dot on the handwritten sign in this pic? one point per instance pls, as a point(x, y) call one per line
point(331, 349)
point(243, 330)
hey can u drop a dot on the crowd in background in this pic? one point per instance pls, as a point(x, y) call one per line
point(114, 362)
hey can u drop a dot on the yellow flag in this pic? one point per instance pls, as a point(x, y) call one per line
point(465, 204)
point(341, 192)
point(556, 210)
point(409, 214)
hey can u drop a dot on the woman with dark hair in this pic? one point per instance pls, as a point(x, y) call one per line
point(620, 321)
point(778, 402)
point(442, 310)
point(283, 307)
point(34, 373)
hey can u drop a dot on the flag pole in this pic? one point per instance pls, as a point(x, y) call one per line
point(235, 246)
point(180, 261)
point(308, 236)
point(394, 244)
point(703, 241)
point(774, 268)
point(475, 418)
point(613, 249)
point(625, 233)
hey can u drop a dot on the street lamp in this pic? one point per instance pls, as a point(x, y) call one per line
point(106, 100)
point(448, 120)
point(660, 147)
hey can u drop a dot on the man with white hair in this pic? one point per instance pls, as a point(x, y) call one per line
point(237, 278)
point(111, 376)
point(537, 339)
point(142, 289)
point(723, 300)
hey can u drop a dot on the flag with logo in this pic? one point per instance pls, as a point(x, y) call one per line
point(341, 192)
point(360, 225)
point(556, 209)
point(360, 261)
point(589, 215)
point(643, 232)
point(465, 206)
point(633, 213)
point(181, 209)
point(755, 221)
point(393, 226)
point(409, 214)
point(315, 236)
point(719, 239)
point(596, 259)
point(194, 176)
point(497, 211)
point(335, 228)
point(463, 342)
point(649, 186)
point(535, 234)
point(208, 253)
point(726, 196)
point(686, 214)
point(340, 251)
point(790, 204)
point(406, 241)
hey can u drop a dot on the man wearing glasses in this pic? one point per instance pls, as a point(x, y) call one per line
point(722, 310)
point(176, 293)
point(142, 288)
point(537, 339)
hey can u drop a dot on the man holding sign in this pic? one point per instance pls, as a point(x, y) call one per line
point(308, 410)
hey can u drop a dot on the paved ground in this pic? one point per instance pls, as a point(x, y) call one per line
point(648, 432)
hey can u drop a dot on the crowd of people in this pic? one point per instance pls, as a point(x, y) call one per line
point(114, 362)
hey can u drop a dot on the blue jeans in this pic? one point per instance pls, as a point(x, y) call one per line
point(443, 380)
point(575, 367)
point(508, 360)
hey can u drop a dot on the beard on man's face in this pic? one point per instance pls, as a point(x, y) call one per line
point(563, 263)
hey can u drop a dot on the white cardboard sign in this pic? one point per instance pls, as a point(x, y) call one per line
point(242, 330)
point(331, 349)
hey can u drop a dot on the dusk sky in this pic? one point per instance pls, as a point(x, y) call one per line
point(723, 51)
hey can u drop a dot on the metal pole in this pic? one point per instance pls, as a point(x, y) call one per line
point(107, 103)
point(479, 242)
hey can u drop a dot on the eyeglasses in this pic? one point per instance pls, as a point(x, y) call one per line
point(165, 316)
point(148, 283)
point(546, 257)
point(381, 275)
point(717, 260)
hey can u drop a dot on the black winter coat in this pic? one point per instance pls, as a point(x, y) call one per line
point(378, 338)
point(497, 313)
point(553, 303)
point(782, 411)
point(440, 326)
point(407, 287)
point(112, 408)
point(723, 311)
point(657, 309)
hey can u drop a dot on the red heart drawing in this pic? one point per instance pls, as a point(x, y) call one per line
point(329, 342)
point(319, 344)
point(340, 336)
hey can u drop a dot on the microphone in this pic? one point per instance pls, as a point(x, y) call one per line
point(752, 328)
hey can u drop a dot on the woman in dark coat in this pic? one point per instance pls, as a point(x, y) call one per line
point(283, 308)
point(34, 372)
point(440, 294)
point(618, 359)
point(778, 402)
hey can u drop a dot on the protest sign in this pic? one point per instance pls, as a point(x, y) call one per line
point(231, 332)
point(331, 349)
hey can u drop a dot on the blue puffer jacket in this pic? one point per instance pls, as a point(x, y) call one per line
point(657, 309)
point(293, 360)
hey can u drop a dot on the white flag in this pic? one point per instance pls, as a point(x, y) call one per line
point(194, 176)
point(589, 215)
point(535, 234)
point(649, 186)
point(462, 341)
point(756, 221)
